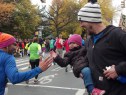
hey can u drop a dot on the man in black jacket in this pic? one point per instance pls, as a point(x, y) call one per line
point(106, 47)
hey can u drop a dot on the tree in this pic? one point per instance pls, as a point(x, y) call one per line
point(62, 15)
point(6, 11)
point(22, 18)
point(108, 11)
point(26, 18)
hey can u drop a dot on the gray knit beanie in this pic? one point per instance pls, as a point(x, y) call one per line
point(90, 12)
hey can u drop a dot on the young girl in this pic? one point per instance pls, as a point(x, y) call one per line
point(76, 57)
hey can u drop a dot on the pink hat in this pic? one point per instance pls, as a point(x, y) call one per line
point(76, 39)
point(6, 40)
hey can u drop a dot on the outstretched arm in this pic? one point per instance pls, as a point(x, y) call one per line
point(63, 62)
point(16, 77)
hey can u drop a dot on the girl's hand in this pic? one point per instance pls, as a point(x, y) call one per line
point(53, 54)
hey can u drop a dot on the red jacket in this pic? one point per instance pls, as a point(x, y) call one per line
point(59, 44)
point(66, 45)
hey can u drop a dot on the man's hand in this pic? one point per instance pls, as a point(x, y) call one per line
point(46, 63)
point(53, 54)
point(111, 73)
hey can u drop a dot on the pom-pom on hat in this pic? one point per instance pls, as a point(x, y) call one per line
point(90, 12)
point(76, 39)
point(6, 40)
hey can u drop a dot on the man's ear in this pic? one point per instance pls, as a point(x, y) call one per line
point(5, 49)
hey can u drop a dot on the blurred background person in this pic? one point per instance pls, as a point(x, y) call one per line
point(59, 46)
point(35, 55)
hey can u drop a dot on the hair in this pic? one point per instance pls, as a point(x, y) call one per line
point(35, 39)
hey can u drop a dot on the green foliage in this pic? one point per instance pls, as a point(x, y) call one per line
point(26, 18)
point(6, 11)
point(63, 15)
point(22, 18)
point(108, 11)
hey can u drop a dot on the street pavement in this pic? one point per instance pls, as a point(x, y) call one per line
point(54, 81)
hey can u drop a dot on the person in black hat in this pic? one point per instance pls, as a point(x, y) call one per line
point(106, 48)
